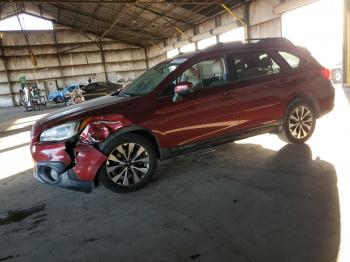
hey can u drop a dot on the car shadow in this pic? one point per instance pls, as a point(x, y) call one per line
point(268, 205)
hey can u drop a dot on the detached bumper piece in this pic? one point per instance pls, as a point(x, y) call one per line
point(53, 173)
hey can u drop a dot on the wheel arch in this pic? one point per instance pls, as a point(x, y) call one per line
point(307, 98)
point(135, 129)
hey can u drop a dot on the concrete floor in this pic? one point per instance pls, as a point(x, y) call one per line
point(255, 200)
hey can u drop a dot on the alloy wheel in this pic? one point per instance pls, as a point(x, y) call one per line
point(300, 122)
point(128, 164)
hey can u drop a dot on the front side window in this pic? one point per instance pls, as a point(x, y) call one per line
point(70, 88)
point(205, 74)
point(292, 60)
point(254, 64)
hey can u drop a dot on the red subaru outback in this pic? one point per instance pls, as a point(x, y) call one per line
point(224, 93)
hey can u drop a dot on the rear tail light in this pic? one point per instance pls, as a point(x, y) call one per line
point(326, 73)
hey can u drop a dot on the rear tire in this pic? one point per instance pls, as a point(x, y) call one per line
point(299, 122)
point(132, 161)
point(337, 76)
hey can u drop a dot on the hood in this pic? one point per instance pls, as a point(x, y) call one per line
point(98, 106)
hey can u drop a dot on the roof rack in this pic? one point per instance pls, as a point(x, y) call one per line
point(270, 40)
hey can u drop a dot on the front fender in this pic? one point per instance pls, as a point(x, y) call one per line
point(98, 129)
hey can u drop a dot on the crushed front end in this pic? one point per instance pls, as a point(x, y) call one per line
point(72, 162)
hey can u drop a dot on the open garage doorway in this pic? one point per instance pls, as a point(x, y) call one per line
point(319, 27)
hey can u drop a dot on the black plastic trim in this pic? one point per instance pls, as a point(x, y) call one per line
point(67, 179)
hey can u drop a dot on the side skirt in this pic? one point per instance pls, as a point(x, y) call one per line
point(274, 127)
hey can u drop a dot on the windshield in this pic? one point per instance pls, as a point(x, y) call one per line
point(150, 79)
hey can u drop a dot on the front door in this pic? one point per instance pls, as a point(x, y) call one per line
point(206, 113)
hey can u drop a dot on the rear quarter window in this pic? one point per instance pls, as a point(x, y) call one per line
point(292, 60)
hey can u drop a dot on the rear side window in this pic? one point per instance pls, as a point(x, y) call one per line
point(292, 60)
point(254, 64)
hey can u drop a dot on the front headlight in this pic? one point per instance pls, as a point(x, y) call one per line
point(60, 132)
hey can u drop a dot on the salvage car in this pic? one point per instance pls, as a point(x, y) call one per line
point(196, 100)
point(98, 89)
point(59, 96)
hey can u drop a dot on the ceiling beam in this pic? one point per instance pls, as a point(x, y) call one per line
point(162, 14)
point(120, 2)
point(105, 22)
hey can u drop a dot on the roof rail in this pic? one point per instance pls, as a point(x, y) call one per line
point(270, 40)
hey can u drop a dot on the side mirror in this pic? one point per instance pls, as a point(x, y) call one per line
point(181, 89)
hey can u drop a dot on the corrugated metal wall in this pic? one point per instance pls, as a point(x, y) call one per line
point(57, 67)
point(123, 62)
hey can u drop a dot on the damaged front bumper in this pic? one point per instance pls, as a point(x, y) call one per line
point(53, 174)
point(71, 168)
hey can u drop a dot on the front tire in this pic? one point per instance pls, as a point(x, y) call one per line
point(131, 163)
point(299, 122)
point(58, 100)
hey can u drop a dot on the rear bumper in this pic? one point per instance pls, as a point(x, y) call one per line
point(75, 170)
point(326, 105)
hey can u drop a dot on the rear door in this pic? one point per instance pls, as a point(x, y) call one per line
point(258, 81)
point(208, 112)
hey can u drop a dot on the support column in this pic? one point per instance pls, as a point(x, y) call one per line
point(146, 57)
point(7, 73)
point(246, 19)
point(58, 56)
point(346, 71)
point(103, 60)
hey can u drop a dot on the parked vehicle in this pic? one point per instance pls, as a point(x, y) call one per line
point(74, 97)
point(210, 97)
point(337, 74)
point(60, 96)
point(98, 89)
point(89, 91)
